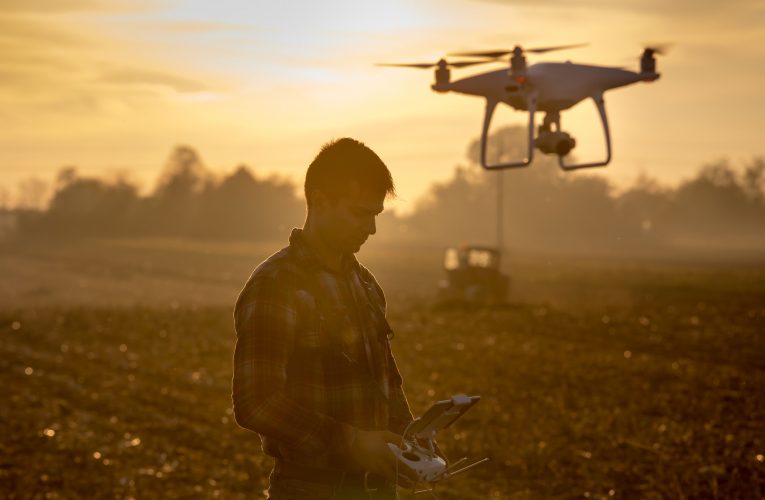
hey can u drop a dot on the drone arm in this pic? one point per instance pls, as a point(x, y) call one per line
point(491, 104)
point(600, 103)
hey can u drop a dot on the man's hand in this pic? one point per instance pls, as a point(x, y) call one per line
point(370, 451)
point(440, 452)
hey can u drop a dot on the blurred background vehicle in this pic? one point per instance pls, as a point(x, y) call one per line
point(473, 276)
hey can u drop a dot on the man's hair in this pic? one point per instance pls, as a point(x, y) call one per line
point(343, 161)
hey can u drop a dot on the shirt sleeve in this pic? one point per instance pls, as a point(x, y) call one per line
point(265, 319)
point(399, 413)
point(398, 407)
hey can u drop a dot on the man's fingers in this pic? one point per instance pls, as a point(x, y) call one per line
point(385, 463)
point(409, 473)
point(403, 470)
point(398, 472)
point(387, 470)
point(405, 481)
point(406, 477)
point(392, 437)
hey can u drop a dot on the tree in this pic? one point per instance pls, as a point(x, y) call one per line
point(32, 194)
point(89, 206)
point(174, 207)
point(242, 206)
point(5, 198)
point(753, 179)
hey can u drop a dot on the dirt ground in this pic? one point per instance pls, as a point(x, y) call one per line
point(599, 379)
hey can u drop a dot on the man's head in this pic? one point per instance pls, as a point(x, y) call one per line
point(345, 187)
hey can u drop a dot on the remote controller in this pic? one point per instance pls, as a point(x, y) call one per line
point(418, 451)
point(428, 466)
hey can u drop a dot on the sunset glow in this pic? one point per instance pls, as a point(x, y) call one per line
point(112, 86)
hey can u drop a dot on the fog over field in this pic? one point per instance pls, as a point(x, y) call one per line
point(717, 214)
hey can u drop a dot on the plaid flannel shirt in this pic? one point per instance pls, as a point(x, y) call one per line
point(312, 361)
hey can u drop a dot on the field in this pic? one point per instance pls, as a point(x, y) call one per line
point(599, 379)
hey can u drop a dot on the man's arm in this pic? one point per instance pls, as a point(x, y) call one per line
point(398, 407)
point(400, 414)
point(265, 320)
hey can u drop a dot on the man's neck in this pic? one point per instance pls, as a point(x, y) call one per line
point(324, 253)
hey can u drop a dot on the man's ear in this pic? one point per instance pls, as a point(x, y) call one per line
point(317, 199)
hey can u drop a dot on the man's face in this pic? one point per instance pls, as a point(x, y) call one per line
point(347, 222)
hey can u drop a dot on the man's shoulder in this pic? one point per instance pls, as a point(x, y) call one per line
point(366, 275)
point(273, 278)
point(371, 282)
point(287, 267)
point(278, 266)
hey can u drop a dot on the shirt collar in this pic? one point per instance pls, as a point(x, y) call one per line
point(307, 256)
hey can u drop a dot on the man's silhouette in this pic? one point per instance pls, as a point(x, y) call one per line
point(313, 370)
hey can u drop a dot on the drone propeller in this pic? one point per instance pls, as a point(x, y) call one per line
point(658, 48)
point(443, 63)
point(499, 53)
point(648, 60)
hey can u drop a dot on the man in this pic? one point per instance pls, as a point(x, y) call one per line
point(313, 370)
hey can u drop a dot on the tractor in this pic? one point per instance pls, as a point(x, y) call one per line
point(473, 276)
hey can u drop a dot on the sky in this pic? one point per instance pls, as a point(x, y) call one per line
point(111, 86)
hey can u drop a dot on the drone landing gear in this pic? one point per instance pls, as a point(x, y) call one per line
point(490, 106)
point(550, 138)
point(601, 105)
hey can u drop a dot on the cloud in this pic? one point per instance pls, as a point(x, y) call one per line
point(687, 8)
point(36, 56)
point(55, 67)
point(201, 27)
point(146, 77)
point(68, 6)
point(21, 33)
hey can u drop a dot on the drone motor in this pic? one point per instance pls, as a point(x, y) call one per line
point(648, 62)
point(442, 75)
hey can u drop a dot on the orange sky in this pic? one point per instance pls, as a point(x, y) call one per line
point(114, 85)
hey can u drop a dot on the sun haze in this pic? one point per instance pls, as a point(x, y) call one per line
point(113, 86)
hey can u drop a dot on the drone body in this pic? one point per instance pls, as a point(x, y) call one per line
point(543, 87)
point(558, 86)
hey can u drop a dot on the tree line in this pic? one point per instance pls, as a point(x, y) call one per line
point(543, 209)
point(721, 208)
point(187, 202)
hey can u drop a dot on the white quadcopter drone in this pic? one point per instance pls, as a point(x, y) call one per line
point(548, 86)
